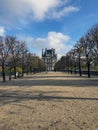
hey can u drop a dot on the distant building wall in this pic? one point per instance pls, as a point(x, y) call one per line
point(50, 58)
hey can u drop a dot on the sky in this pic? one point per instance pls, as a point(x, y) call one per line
point(57, 24)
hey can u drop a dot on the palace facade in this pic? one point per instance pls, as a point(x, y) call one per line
point(50, 58)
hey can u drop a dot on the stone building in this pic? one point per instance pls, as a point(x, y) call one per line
point(50, 58)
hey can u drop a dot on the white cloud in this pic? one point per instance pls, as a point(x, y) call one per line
point(56, 40)
point(2, 31)
point(64, 12)
point(34, 10)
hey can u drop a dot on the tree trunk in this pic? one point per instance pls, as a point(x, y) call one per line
point(14, 72)
point(27, 71)
point(88, 67)
point(30, 69)
point(71, 70)
point(3, 72)
point(68, 67)
point(80, 67)
point(22, 70)
point(75, 68)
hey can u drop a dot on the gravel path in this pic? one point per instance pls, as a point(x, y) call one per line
point(49, 101)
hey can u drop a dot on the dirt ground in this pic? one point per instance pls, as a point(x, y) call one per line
point(49, 101)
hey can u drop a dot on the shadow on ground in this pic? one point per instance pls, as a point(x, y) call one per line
point(8, 97)
point(52, 82)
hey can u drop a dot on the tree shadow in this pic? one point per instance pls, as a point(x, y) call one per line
point(42, 77)
point(8, 96)
point(14, 97)
point(52, 82)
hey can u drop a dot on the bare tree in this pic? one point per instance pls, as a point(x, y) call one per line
point(15, 50)
point(28, 62)
point(89, 52)
point(22, 56)
point(93, 34)
point(67, 62)
point(79, 53)
point(4, 53)
point(71, 62)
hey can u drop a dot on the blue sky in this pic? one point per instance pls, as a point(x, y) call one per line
point(48, 24)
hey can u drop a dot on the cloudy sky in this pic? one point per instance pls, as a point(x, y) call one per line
point(48, 24)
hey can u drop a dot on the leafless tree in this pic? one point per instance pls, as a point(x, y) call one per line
point(93, 34)
point(4, 53)
point(88, 47)
point(15, 51)
point(22, 56)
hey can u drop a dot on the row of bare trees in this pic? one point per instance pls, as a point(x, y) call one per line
point(83, 56)
point(13, 54)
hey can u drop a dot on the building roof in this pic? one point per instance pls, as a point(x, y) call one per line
point(49, 52)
